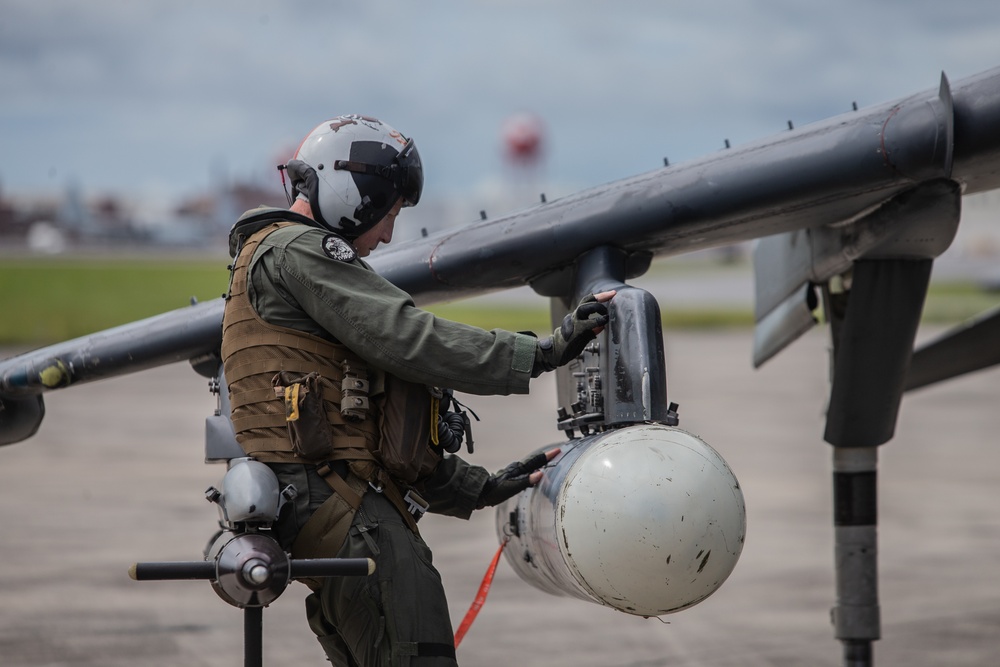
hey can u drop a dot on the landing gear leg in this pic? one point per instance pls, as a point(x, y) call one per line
point(856, 617)
point(874, 324)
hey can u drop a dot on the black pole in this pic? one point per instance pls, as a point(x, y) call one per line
point(253, 637)
point(198, 569)
point(857, 653)
point(857, 616)
point(330, 567)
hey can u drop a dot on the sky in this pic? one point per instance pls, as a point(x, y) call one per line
point(163, 99)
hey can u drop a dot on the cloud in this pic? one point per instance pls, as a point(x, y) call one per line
point(149, 96)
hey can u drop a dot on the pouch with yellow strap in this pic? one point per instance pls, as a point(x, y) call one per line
point(305, 414)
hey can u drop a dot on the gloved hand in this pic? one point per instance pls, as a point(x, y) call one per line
point(513, 479)
point(578, 328)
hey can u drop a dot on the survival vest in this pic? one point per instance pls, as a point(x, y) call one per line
point(278, 377)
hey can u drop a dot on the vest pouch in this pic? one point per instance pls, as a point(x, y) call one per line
point(305, 415)
point(405, 429)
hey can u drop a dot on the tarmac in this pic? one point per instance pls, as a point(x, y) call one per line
point(115, 475)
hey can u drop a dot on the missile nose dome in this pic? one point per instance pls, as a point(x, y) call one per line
point(647, 519)
point(670, 520)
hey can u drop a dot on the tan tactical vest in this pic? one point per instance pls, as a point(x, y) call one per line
point(386, 438)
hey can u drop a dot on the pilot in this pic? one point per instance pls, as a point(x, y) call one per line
point(343, 387)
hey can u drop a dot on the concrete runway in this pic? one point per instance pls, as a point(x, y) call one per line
point(115, 475)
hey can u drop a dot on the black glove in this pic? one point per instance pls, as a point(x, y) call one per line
point(567, 342)
point(510, 481)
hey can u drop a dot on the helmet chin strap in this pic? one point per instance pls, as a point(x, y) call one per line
point(362, 212)
point(351, 230)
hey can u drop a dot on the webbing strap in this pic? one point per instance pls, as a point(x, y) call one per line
point(352, 449)
point(275, 365)
point(239, 398)
point(238, 281)
point(263, 450)
point(241, 311)
point(424, 650)
point(348, 448)
point(251, 396)
point(484, 589)
point(329, 394)
point(339, 486)
point(395, 496)
point(238, 331)
point(241, 424)
point(278, 420)
point(435, 650)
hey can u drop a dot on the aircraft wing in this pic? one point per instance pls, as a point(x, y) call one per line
point(821, 175)
point(829, 189)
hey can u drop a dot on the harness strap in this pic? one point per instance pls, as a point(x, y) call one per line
point(259, 421)
point(329, 394)
point(275, 420)
point(237, 399)
point(324, 533)
point(304, 366)
point(339, 485)
point(238, 321)
point(424, 650)
point(395, 496)
point(354, 449)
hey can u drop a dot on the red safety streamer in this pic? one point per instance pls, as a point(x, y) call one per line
point(484, 589)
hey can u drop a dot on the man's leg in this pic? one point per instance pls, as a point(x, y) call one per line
point(334, 647)
point(399, 615)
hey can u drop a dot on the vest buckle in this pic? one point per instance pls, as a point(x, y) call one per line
point(416, 505)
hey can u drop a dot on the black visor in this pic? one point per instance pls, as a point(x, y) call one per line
point(409, 174)
point(405, 172)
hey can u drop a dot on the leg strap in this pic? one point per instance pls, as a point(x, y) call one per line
point(324, 533)
point(395, 496)
point(425, 650)
point(339, 485)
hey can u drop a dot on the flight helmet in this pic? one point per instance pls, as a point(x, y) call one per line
point(353, 169)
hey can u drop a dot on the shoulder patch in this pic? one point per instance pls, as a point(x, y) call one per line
point(337, 248)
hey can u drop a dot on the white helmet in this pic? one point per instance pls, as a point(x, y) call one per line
point(353, 169)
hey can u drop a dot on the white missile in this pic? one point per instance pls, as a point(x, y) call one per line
point(647, 519)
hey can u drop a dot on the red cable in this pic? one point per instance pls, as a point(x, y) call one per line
point(484, 589)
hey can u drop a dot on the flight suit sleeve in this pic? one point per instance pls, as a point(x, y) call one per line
point(380, 323)
point(453, 489)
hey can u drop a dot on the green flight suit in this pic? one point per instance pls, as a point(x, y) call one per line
point(399, 616)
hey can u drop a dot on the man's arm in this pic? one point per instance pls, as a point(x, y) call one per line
point(379, 323)
point(456, 487)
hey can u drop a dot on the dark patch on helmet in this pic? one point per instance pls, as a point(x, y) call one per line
point(378, 192)
point(352, 119)
point(341, 122)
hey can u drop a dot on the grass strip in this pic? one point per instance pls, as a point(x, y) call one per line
point(49, 300)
